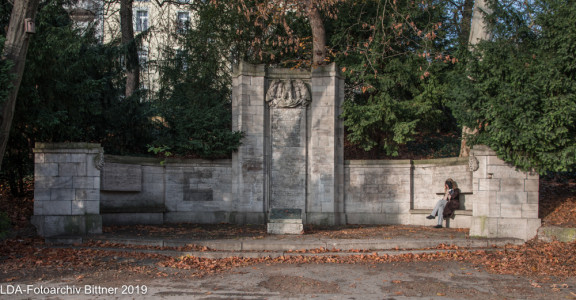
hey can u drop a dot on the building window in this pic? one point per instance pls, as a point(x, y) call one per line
point(143, 58)
point(183, 21)
point(181, 59)
point(141, 20)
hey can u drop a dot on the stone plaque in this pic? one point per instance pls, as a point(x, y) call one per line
point(121, 178)
point(198, 194)
point(288, 165)
point(285, 213)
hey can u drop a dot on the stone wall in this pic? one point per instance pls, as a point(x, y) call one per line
point(200, 191)
point(72, 194)
point(132, 190)
point(404, 191)
point(378, 191)
point(155, 191)
point(67, 189)
point(507, 199)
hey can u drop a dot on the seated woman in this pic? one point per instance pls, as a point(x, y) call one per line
point(446, 206)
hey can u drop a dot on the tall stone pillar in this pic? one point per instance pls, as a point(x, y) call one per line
point(326, 148)
point(67, 189)
point(248, 177)
point(506, 200)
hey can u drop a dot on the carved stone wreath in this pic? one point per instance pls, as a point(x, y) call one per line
point(288, 94)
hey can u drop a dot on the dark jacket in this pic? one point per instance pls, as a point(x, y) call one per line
point(453, 204)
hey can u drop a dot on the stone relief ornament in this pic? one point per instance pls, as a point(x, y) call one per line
point(99, 160)
point(473, 163)
point(288, 94)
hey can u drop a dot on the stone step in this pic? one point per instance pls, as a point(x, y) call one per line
point(289, 244)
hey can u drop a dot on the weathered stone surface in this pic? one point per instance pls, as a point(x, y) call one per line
point(121, 177)
point(288, 160)
point(133, 219)
point(198, 194)
point(67, 195)
point(553, 233)
point(46, 169)
point(72, 169)
point(285, 213)
point(81, 225)
point(512, 185)
point(489, 184)
point(285, 228)
point(532, 185)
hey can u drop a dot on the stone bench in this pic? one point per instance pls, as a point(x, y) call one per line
point(462, 218)
point(458, 212)
point(148, 215)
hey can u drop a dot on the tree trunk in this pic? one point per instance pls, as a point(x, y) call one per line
point(478, 32)
point(318, 35)
point(466, 21)
point(131, 50)
point(15, 49)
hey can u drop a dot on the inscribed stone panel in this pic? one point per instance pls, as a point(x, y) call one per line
point(288, 166)
point(197, 194)
point(121, 177)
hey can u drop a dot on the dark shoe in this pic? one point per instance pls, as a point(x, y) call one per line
point(438, 226)
point(430, 217)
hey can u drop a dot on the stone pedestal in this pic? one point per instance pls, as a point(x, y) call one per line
point(285, 221)
point(506, 199)
point(67, 189)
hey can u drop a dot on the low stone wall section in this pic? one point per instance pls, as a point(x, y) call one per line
point(137, 190)
point(404, 191)
point(377, 191)
point(77, 189)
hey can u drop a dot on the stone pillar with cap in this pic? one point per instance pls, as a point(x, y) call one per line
point(506, 199)
point(67, 189)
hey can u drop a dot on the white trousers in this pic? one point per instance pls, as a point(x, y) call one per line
point(439, 209)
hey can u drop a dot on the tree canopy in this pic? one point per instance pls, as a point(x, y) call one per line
point(519, 88)
point(409, 72)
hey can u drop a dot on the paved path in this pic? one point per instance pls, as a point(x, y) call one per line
point(256, 243)
point(400, 280)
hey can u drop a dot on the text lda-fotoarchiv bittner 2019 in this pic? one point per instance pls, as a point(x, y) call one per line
point(56, 290)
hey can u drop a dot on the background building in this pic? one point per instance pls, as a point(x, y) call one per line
point(156, 22)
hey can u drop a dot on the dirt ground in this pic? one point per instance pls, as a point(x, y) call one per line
point(403, 280)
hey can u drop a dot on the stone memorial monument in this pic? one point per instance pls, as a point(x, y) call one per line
point(288, 171)
point(292, 157)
